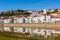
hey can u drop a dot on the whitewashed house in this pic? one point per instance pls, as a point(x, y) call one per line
point(15, 19)
point(42, 18)
point(34, 19)
point(26, 19)
point(48, 18)
point(57, 18)
point(20, 20)
point(7, 20)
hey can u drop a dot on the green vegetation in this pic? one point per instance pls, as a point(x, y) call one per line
point(15, 13)
point(20, 36)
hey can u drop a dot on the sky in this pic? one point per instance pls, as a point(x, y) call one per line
point(6, 5)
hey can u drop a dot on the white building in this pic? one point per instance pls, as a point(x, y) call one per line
point(34, 19)
point(20, 20)
point(15, 19)
point(26, 20)
point(7, 20)
point(42, 18)
point(48, 18)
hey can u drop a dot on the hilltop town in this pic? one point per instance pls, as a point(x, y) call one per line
point(30, 17)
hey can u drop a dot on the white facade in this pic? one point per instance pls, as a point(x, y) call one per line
point(26, 20)
point(52, 20)
point(48, 18)
point(42, 18)
point(20, 20)
point(57, 19)
point(34, 20)
point(15, 19)
point(54, 14)
point(39, 19)
point(7, 20)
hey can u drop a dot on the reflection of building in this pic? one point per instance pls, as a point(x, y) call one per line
point(37, 31)
point(7, 29)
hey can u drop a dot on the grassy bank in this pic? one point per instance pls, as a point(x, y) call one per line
point(19, 36)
